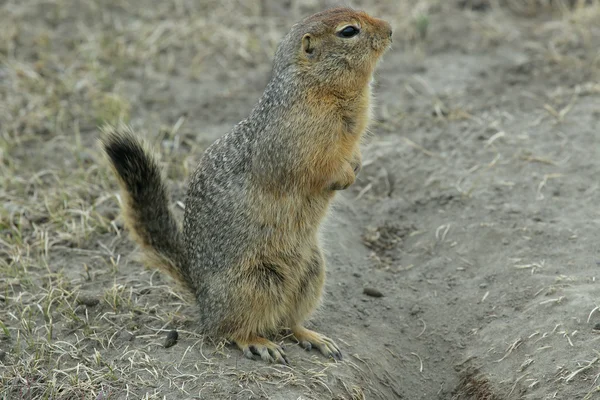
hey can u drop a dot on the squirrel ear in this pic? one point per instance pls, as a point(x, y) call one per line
point(307, 46)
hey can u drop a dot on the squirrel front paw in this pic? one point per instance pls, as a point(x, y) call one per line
point(356, 166)
point(356, 161)
point(348, 173)
point(344, 179)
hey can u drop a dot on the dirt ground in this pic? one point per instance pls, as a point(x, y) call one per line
point(476, 214)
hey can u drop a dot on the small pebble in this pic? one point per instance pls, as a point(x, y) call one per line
point(126, 336)
point(356, 274)
point(89, 301)
point(415, 310)
point(372, 292)
point(2, 355)
point(171, 339)
point(597, 327)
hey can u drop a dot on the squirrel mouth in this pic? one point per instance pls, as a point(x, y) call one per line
point(381, 45)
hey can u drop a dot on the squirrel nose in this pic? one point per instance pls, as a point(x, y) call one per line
point(387, 28)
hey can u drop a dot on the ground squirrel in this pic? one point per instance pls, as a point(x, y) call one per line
point(249, 249)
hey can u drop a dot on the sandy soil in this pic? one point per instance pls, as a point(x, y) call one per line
point(475, 214)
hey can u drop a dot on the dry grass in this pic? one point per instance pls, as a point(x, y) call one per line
point(73, 322)
point(61, 77)
point(68, 310)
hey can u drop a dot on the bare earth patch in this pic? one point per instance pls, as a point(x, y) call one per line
point(473, 225)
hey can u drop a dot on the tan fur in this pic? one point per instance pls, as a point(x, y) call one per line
point(295, 156)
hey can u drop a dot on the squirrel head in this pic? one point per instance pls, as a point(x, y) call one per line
point(337, 48)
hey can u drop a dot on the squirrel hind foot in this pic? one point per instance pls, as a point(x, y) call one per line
point(310, 339)
point(263, 348)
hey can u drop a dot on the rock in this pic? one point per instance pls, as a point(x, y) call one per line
point(171, 339)
point(88, 300)
point(415, 310)
point(372, 292)
point(126, 336)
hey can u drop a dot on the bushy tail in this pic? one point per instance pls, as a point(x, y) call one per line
point(145, 203)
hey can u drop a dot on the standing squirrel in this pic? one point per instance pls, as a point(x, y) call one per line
point(249, 250)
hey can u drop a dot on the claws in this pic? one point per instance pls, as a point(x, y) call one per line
point(261, 348)
point(309, 340)
point(305, 344)
point(339, 186)
point(265, 349)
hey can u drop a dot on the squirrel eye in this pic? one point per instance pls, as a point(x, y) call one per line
point(349, 32)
